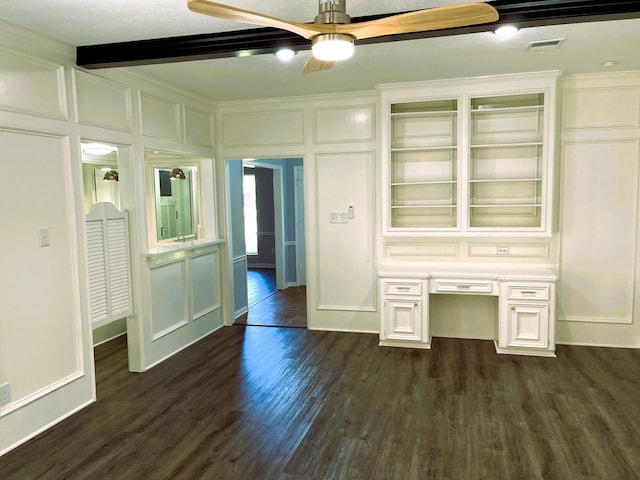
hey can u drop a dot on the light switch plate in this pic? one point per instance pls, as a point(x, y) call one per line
point(338, 218)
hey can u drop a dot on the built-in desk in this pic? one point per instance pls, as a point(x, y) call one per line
point(526, 303)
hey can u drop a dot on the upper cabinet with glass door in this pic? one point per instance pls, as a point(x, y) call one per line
point(472, 156)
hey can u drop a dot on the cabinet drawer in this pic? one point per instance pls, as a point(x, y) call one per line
point(402, 287)
point(533, 292)
point(463, 286)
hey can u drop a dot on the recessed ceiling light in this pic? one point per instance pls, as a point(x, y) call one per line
point(506, 31)
point(609, 64)
point(285, 54)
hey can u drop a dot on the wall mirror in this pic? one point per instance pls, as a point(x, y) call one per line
point(175, 213)
point(100, 175)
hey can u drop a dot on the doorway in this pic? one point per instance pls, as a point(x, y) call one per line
point(265, 204)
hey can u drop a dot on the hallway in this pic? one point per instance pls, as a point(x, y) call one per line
point(269, 307)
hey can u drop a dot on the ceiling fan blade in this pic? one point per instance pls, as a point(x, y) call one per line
point(423, 20)
point(239, 15)
point(314, 65)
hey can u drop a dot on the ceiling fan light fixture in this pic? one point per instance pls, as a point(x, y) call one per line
point(333, 47)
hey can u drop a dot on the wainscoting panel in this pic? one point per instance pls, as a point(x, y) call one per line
point(596, 107)
point(345, 251)
point(344, 124)
point(168, 296)
point(198, 126)
point(40, 314)
point(240, 300)
point(160, 118)
point(32, 86)
point(277, 127)
point(599, 231)
point(102, 103)
point(205, 284)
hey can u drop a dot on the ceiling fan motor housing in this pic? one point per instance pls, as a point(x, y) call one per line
point(332, 11)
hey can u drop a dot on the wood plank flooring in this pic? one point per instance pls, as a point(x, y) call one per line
point(269, 307)
point(274, 403)
point(261, 282)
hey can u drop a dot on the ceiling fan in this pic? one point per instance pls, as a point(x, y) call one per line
point(333, 35)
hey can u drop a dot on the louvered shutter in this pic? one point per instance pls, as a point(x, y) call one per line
point(109, 266)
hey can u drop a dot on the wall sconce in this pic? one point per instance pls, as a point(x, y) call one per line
point(111, 175)
point(178, 174)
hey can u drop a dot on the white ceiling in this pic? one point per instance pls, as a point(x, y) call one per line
point(89, 22)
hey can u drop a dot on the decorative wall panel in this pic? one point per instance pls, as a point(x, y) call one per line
point(102, 103)
point(344, 124)
point(41, 318)
point(345, 251)
point(168, 296)
point(160, 117)
point(599, 231)
point(205, 284)
point(414, 249)
point(505, 249)
point(596, 107)
point(198, 127)
point(277, 127)
point(30, 85)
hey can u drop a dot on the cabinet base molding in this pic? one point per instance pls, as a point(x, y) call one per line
point(529, 352)
point(404, 344)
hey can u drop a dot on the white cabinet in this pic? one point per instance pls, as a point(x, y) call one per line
point(526, 304)
point(469, 157)
point(527, 319)
point(405, 313)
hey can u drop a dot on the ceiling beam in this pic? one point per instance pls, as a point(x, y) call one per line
point(522, 13)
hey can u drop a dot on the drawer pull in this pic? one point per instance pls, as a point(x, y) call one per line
point(404, 288)
point(528, 292)
point(463, 287)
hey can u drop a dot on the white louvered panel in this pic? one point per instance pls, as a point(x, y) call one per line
point(97, 273)
point(108, 264)
point(119, 277)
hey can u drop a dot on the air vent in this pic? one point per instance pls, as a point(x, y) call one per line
point(543, 45)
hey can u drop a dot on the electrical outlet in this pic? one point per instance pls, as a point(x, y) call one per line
point(44, 237)
point(5, 393)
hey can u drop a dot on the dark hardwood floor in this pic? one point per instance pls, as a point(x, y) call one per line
point(261, 283)
point(269, 307)
point(283, 403)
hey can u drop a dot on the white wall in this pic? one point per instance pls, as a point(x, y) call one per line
point(594, 243)
point(337, 138)
point(46, 107)
point(45, 336)
point(598, 296)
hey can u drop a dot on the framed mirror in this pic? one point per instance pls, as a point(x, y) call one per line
point(175, 212)
point(100, 174)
